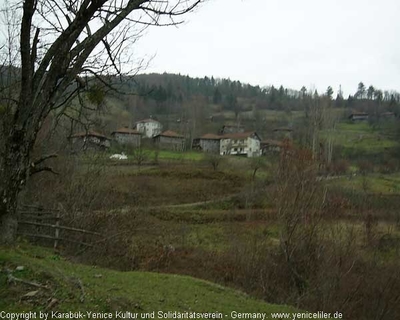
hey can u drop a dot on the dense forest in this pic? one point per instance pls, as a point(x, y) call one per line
point(167, 93)
point(209, 101)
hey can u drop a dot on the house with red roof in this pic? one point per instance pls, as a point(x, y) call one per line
point(357, 116)
point(89, 140)
point(209, 143)
point(238, 143)
point(241, 143)
point(126, 136)
point(169, 140)
point(271, 146)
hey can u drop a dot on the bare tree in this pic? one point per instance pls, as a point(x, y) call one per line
point(330, 120)
point(257, 163)
point(214, 160)
point(140, 155)
point(321, 116)
point(314, 120)
point(59, 43)
point(299, 198)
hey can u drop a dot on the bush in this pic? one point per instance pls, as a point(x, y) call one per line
point(338, 167)
point(365, 166)
point(389, 166)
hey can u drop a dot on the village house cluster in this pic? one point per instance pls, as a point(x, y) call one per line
point(150, 129)
point(230, 140)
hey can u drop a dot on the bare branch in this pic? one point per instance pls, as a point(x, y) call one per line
point(41, 169)
point(44, 158)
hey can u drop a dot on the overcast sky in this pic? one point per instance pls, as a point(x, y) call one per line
point(314, 43)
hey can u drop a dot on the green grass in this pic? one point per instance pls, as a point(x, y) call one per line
point(225, 236)
point(209, 230)
point(109, 291)
point(150, 155)
point(170, 155)
point(176, 155)
point(373, 183)
point(361, 137)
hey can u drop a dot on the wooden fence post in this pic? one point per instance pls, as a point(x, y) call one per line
point(57, 231)
point(39, 215)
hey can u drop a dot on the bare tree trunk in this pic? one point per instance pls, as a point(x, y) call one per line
point(329, 148)
point(8, 223)
point(8, 205)
point(49, 81)
point(13, 172)
point(315, 138)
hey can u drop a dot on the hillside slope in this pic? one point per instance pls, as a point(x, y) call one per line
point(48, 282)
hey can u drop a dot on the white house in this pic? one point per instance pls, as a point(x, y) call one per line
point(241, 143)
point(149, 127)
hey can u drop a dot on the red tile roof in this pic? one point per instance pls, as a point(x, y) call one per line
point(238, 135)
point(210, 136)
point(147, 120)
point(88, 134)
point(283, 129)
point(171, 134)
point(271, 143)
point(233, 126)
point(126, 131)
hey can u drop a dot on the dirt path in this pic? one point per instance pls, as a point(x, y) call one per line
point(195, 204)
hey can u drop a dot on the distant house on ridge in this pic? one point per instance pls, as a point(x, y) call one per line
point(283, 133)
point(359, 116)
point(226, 129)
point(388, 115)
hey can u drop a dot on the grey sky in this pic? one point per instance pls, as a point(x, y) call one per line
point(314, 43)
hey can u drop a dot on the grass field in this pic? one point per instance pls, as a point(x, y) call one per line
point(161, 217)
point(175, 155)
point(168, 185)
point(361, 137)
point(167, 155)
point(372, 183)
point(68, 287)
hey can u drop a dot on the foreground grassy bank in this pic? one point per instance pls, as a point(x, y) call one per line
point(34, 279)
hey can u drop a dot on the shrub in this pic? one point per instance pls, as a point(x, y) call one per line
point(365, 166)
point(389, 166)
point(339, 167)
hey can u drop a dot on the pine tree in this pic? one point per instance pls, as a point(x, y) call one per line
point(217, 97)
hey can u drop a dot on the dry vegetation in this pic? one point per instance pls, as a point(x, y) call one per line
point(286, 236)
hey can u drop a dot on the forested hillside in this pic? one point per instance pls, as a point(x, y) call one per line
point(194, 106)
